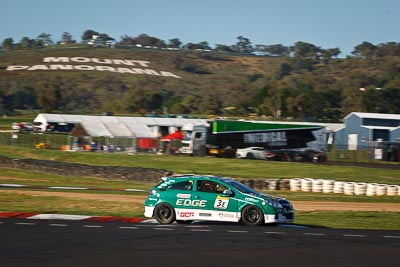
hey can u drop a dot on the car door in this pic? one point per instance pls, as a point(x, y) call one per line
point(214, 204)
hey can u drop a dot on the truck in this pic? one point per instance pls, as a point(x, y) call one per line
point(222, 138)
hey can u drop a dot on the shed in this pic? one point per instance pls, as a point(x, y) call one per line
point(361, 129)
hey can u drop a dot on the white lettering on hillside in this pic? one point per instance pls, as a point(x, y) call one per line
point(94, 68)
point(127, 62)
point(141, 66)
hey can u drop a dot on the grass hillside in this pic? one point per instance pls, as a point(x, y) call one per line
point(209, 83)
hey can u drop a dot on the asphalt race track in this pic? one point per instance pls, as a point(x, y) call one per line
point(81, 243)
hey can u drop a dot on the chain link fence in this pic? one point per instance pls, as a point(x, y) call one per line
point(377, 151)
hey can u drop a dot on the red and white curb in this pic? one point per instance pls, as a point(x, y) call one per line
point(55, 216)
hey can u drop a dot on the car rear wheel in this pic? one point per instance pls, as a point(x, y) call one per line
point(164, 213)
point(252, 215)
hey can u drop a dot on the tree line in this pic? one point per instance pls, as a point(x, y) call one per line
point(242, 46)
point(308, 83)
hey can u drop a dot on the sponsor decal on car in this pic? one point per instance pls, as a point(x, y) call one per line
point(191, 203)
point(221, 202)
point(205, 214)
point(251, 199)
point(183, 195)
point(186, 214)
point(226, 215)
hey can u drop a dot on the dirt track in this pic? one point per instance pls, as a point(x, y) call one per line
point(298, 205)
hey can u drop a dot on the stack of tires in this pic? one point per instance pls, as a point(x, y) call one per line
point(317, 185)
point(306, 185)
point(327, 186)
point(348, 188)
point(295, 184)
point(393, 190)
point(360, 189)
point(337, 187)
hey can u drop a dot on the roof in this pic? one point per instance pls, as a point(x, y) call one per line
point(381, 128)
point(364, 115)
point(115, 126)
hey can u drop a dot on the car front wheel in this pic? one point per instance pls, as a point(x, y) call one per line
point(164, 213)
point(252, 215)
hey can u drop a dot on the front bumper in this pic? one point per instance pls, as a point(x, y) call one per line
point(148, 211)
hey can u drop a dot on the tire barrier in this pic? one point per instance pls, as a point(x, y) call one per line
point(306, 185)
point(295, 184)
point(272, 184)
point(348, 188)
point(317, 185)
point(327, 186)
point(284, 184)
point(392, 190)
point(371, 190)
point(340, 187)
point(360, 189)
point(381, 189)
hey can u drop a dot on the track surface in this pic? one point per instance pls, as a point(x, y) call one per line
point(76, 243)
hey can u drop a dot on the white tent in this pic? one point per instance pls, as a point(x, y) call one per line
point(116, 126)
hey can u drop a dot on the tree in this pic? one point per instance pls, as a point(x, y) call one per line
point(275, 50)
point(328, 54)
point(364, 50)
point(8, 44)
point(48, 95)
point(224, 48)
point(44, 39)
point(66, 38)
point(244, 45)
point(174, 43)
point(88, 34)
point(128, 40)
point(305, 50)
point(201, 46)
point(27, 43)
point(147, 40)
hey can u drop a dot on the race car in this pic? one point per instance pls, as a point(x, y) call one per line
point(186, 198)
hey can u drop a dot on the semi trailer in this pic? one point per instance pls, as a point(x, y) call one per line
point(222, 137)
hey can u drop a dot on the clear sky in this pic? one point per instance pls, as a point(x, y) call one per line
point(340, 24)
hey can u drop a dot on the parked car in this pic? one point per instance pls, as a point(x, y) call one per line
point(299, 155)
point(251, 153)
point(187, 198)
point(22, 126)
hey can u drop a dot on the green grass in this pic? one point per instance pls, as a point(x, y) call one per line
point(237, 168)
point(12, 201)
point(350, 219)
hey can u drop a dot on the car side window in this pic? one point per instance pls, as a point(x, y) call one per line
point(210, 187)
point(185, 185)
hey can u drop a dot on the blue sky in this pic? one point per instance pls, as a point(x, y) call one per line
point(324, 23)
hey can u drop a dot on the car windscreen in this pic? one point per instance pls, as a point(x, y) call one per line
point(242, 188)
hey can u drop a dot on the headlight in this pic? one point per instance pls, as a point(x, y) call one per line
point(152, 192)
point(274, 204)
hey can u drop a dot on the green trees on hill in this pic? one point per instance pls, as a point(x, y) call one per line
point(301, 82)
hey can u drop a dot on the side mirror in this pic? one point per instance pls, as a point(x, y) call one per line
point(227, 192)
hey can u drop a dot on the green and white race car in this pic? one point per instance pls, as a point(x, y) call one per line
point(186, 198)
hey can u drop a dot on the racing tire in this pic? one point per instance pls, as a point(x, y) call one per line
point(184, 222)
point(164, 213)
point(252, 216)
